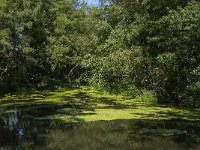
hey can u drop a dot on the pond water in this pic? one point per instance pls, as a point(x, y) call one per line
point(21, 129)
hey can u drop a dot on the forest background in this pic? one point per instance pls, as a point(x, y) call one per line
point(131, 46)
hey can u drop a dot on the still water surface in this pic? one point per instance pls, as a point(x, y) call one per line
point(21, 129)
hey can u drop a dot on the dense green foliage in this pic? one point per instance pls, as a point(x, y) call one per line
point(119, 46)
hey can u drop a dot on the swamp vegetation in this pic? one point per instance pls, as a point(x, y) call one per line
point(121, 74)
point(85, 118)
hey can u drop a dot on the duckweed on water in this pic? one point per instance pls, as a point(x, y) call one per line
point(85, 104)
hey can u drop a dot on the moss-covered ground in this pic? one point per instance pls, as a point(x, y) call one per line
point(84, 104)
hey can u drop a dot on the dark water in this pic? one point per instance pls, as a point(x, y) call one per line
point(20, 130)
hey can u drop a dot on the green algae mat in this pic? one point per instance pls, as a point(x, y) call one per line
point(85, 104)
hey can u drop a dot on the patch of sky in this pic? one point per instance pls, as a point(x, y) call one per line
point(92, 2)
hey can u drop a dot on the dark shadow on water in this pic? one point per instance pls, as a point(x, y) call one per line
point(112, 103)
point(86, 101)
point(17, 101)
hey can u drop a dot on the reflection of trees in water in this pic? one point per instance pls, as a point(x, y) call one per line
point(24, 133)
point(11, 128)
point(12, 121)
point(1, 109)
point(19, 131)
point(121, 134)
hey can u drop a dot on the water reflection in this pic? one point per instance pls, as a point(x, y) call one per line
point(19, 130)
point(10, 128)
